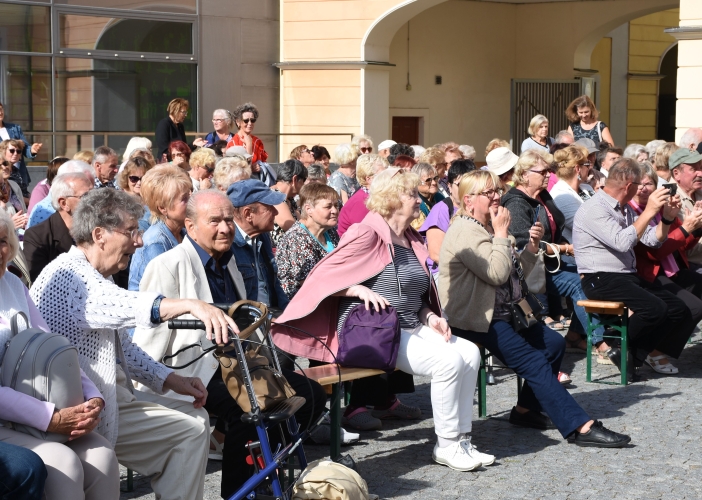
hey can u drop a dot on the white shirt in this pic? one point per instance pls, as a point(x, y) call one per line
point(568, 202)
point(4, 135)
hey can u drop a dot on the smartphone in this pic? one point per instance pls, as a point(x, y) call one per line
point(536, 214)
point(672, 187)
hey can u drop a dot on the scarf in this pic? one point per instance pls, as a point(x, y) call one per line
point(670, 267)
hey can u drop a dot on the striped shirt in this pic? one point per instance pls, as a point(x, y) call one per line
point(403, 282)
point(604, 237)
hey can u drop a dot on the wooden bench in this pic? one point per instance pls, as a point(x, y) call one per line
point(329, 375)
point(482, 382)
point(613, 315)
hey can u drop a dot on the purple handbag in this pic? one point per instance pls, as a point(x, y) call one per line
point(370, 339)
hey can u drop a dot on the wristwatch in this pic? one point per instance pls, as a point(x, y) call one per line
point(156, 310)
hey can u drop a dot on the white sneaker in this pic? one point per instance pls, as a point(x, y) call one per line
point(455, 457)
point(322, 434)
point(472, 451)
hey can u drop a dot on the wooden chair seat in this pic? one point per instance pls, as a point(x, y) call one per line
point(602, 307)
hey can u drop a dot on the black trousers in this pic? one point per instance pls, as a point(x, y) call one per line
point(687, 286)
point(660, 321)
point(235, 470)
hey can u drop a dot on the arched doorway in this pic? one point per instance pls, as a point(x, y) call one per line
point(666, 95)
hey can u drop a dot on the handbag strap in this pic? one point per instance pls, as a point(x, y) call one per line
point(183, 349)
point(14, 327)
point(556, 255)
point(522, 282)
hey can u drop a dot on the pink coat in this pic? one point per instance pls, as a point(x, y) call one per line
point(363, 252)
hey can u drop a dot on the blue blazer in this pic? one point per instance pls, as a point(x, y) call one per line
point(244, 257)
point(15, 132)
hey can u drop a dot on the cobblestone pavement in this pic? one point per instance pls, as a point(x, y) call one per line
point(661, 413)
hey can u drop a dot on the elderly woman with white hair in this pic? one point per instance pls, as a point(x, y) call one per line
point(637, 152)
point(538, 135)
point(156, 436)
point(222, 121)
point(165, 190)
point(344, 179)
point(393, 255)
point(230, 170)
point(84, 466)
point(134, 144)
point(428, 191)
point(363, 143)
point(367, 166)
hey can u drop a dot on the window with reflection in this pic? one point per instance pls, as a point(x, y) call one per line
point(170, 6)
point(25, 28)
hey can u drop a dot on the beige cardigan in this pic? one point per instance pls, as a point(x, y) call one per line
point(470, 268)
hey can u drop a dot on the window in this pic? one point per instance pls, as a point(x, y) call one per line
point(170, 6)
point(134, 35)
point(25, 28)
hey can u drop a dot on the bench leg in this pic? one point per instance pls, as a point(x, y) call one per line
point(335, 417)
point(482, 389)
point(588, 371)
point(130, 481)
point(625, 345)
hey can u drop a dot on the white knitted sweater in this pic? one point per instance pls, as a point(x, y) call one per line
point(78, 302)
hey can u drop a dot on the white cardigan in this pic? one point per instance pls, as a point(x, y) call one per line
point(89, 309)
point(568, 202)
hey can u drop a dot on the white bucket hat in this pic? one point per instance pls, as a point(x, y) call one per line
point(387, 143)
point(501, 160)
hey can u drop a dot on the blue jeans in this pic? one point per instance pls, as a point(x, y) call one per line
point(22, 473)
point(535, 355)
point(566, 283)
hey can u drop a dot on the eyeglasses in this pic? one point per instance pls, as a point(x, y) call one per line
point(648, 185)
point(218, 120)
point(249, 120)
point(134, 179)
point(13, 151)
point(75, 196)
point(543, 172)
point(133, 234)
point(209, 169)
point(492, 192)
point(366, 150)
point(177, 155)
point(430, 180)
point(586, 164)
point(307, 151)
point(457, 183)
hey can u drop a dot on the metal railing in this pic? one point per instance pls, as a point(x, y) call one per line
point(69, 142)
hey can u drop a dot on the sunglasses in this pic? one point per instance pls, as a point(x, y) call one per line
point(366, 150)
point(209, 169)
point(430, 180)
point(13, 151)
point(134, 179)
point(249, 120)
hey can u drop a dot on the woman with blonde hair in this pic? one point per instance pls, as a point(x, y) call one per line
point(662, 158)
point(165, 190)
point(393, 258)
point(344, 179)
point(171, 128)
point(538, 135)
point(582, 115)
point(230, 170)
point(85, 155)
point(530, 205)
point(367, 167)
point(134, 144)
point(496, 143)
point(202, 167)
point(481, 276)
point(303, 154)
point(363, 144)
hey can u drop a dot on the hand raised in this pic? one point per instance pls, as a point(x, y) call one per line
point(501, 219)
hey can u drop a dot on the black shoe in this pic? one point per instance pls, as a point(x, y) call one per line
point(600, 437)
point(615, 355)
point(532, 419)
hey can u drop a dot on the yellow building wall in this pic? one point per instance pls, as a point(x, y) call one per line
point(601, 61)
point(647, 44)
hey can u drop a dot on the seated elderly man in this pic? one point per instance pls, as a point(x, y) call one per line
point(686, 168)
point(605, 232)
point(157, 436)
point(254, 217)
point(46, 241)
point(203, 267)
point(44, 209)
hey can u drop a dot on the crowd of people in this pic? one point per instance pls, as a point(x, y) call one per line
point(106, 250)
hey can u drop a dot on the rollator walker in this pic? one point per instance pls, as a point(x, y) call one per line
point(270, 481)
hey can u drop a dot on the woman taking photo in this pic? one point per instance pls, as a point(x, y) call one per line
point(582, 115)
point(480, 278)
point(10, 131)
point(529, 199)
point(538, 135)
point(393, 259)
point(11, 199)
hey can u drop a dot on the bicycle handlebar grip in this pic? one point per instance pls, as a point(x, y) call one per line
point(186, 324)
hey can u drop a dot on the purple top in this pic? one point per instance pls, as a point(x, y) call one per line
point(23, 409)
point(438, 217)
point(353, 212)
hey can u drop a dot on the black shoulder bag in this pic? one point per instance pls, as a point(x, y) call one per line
point(521, 313)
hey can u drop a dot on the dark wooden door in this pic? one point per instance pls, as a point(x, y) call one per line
point(405, 129)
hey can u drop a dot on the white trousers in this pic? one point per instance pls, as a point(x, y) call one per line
point(85, 468)
point(166, 437)
point(453, 367)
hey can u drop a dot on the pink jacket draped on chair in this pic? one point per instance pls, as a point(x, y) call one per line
point(363, 252)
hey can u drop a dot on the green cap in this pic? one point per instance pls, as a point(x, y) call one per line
point(683, 155)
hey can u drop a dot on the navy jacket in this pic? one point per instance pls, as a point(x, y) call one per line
point(244, 256)
point(15, 132)
point(167, 132)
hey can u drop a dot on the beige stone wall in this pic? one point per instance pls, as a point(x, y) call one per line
point(689, 106)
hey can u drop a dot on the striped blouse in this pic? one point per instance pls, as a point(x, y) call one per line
point(403, 283)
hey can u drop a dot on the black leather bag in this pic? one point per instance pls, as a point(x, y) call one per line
point(522, 316)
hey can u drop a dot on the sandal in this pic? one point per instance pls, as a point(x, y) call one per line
point(602, 358)
point(579, 346)
point(564, 378)
point(216, 453)
point(655, 363)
